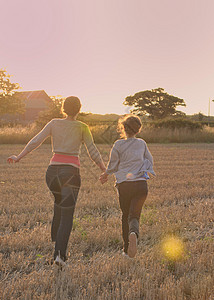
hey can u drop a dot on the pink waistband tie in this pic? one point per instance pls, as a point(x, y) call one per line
point(66, 159)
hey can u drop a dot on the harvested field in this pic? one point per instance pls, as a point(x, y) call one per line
point(180, 204)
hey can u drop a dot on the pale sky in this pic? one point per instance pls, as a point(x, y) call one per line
point(105, 50)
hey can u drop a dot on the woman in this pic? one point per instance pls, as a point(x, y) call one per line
point(62, 176)
point(130, 160)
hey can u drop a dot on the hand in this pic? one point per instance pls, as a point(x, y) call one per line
point(103, 177)
point(12, 159)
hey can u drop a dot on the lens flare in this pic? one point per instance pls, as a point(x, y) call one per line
point(173, 248)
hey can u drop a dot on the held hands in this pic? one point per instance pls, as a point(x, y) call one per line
point(12, 159)
point(103, 177)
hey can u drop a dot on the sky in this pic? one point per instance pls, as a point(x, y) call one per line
point(105, 50)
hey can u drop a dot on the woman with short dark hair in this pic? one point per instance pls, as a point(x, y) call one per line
point(62, 176)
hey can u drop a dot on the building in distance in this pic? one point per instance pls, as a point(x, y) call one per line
point(35, 102)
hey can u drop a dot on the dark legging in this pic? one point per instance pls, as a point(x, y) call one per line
point(132, 195)
point(64, 182)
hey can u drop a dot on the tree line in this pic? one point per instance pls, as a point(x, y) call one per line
point(155, 104)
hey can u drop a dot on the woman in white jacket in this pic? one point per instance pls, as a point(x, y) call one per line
point(130, 161)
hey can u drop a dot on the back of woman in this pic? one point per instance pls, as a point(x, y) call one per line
point(128, 159)
point(63, 175)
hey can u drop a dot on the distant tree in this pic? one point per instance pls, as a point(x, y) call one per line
point(10, 101)
point(156, 104)
point(54, 111)
point(82, 116)
point(177, 123)
point(199, 117)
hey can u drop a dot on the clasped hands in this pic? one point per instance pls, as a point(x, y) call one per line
point(103, 177)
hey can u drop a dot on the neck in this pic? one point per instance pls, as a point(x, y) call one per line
point(71, 118)
point(130, 136)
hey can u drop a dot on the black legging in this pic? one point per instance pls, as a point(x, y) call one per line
point(132, 195)
point(64, 182)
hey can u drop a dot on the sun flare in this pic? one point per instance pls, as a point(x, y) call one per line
point(173, 248)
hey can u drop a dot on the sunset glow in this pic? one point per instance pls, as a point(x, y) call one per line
point(103, 51)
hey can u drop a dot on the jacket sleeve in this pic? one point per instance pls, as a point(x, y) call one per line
point(113, 161)
point(93, 152)
point(148, 154)
point(37, 140)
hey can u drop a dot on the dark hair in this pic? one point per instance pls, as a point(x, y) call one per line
point(71, 106)
point(129, 125)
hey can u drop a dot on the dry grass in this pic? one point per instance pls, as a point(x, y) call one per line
point(108, 134)
point(18, 134)
point(179, 135)
point(180, 203)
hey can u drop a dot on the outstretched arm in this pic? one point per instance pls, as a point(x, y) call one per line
point(34, 143)
point(14, 158)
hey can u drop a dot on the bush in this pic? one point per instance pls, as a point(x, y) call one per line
point(177, 124)
point(106, 134)
point(54, 111)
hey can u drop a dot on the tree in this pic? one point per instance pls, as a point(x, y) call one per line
point(54, 111)
point(199, 117)
point(10, 101)
point(155, 103)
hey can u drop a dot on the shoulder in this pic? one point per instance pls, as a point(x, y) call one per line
point(56, 120)
point(82, 124)
point(117, 145)
point(141, 141)
point(50, 123)
point(84, 129)
point(119, 142)
point(64, 121)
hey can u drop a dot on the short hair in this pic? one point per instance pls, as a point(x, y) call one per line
point(130, 125)
point(71, 106)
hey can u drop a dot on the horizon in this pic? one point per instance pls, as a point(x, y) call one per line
point(103, 52)
point(126, 108)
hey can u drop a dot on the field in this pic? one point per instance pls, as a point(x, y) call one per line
point(179, 205)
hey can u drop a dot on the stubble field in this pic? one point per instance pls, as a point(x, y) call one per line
point(179, 205)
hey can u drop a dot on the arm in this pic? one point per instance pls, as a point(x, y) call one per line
point(148, 154)
point(93, 152)
point(34, 143)
point(113, 161)
point(112, 164)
